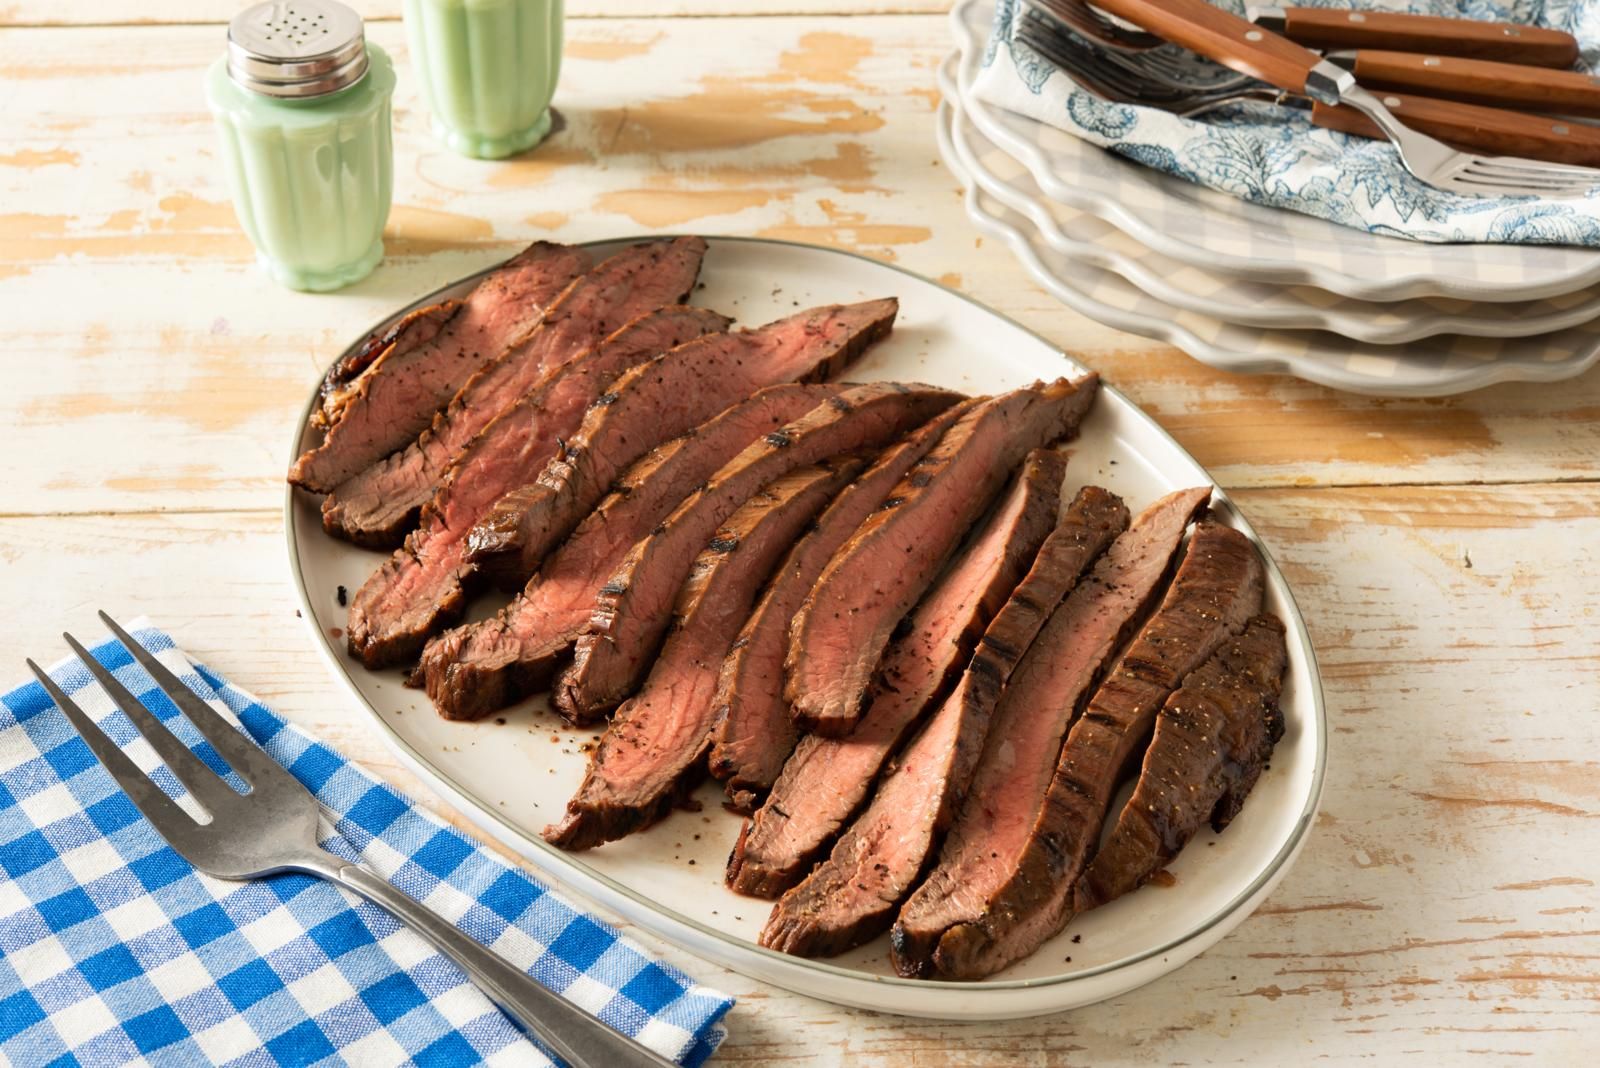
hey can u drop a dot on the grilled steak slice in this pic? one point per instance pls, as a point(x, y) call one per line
point(340, 384)
point(630, 614)
point(1216, 591)
point(624, 287)
point(1211, 739)
point(396, 400)
point(475, 669)
point(1030, 722)
point(654, 751)
point(657, 403)
point(852, 896)
point(869, 586)
point(827, 780)
point(754, 733)
point(377, 506)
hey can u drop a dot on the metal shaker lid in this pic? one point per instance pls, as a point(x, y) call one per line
point(297, 48)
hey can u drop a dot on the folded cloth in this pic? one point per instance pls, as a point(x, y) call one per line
point(113, 949)
point(1274, 156)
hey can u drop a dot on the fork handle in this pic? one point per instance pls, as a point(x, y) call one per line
point(1224, 37)
point(576, 1037)
point(1480, 81)
point(1480, 129)
point(1505, 41)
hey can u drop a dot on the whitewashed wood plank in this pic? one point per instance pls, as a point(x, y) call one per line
point(1443, 907)
point(166, 12)
point(153, 367)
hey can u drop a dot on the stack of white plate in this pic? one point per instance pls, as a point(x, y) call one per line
point(1249, 289)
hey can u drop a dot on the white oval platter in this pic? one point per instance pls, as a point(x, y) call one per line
point(512, 774)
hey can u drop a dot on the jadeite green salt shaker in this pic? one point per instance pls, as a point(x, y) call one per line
point(301, 101)
point(487, 69)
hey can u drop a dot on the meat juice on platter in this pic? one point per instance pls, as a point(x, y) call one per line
point(922, 668)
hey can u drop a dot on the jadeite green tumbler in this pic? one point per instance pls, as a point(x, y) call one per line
point(487, 70)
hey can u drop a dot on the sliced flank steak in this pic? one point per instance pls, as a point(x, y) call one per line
point(1031, 721)
point(657, 403)
point(377, 506)
point(754, 733)
point(852, 896)
point(396, 399)
point(881, 572)
point(654, 751)
point(1212, 739)
point(1216, 591)
point(828, 780)
point(475, 669)
point(618, 291)
point(412, 330)
point(631, 612)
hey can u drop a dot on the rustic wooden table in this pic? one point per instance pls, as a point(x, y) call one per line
point(1446, 553)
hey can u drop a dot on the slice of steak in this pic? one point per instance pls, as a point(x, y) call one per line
point(424, 585)
point(475, 669)
point(658, 402)
point(871, 583)
point(624, 287)
point(852, 896)
point(654, 751)
point(341, 383)
point(754, 733)
point(631, 612)
point(398, 398)
point(1031, 721)
point(1216, 591)
point(377, 506)
point(828, 780)
point(1211, 740)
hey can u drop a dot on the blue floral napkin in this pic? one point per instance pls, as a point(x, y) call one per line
point(114, 950)
point(1274, 156)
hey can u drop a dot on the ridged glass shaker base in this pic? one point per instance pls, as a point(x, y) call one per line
point(326, 281)
point(481, 147)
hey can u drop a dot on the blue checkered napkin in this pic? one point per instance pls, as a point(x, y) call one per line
point(113, 949)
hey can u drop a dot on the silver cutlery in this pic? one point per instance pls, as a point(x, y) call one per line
point(1261, 54)
point(273, 829)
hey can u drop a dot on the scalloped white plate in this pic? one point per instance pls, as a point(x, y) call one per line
point(514, 777)
point(1246, 301)
point(1222, 234)
point(1429, 367)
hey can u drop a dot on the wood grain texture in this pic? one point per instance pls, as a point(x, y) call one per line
point(1444, 903)
point(1446, 553)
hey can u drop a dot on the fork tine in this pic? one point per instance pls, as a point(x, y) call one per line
point(247, 758)
point(146, 796)
point(1528, 180)
point(1532, 168)
point(203, 783)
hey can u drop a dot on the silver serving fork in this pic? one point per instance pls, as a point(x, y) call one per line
point(1260, 53)
point(273, 829)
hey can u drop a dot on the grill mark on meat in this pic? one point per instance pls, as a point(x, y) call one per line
point(1211, 739)
point(341, 384)
point(476, 669)
point(654, 751)
point(660, 401)
point(852, 896)
point(623, 631)
point(395, 400)
point(374, 506)
point(827, 780)
point(753, 734)
point(841, 630)
point(1030, 723)
point(1217, 589)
